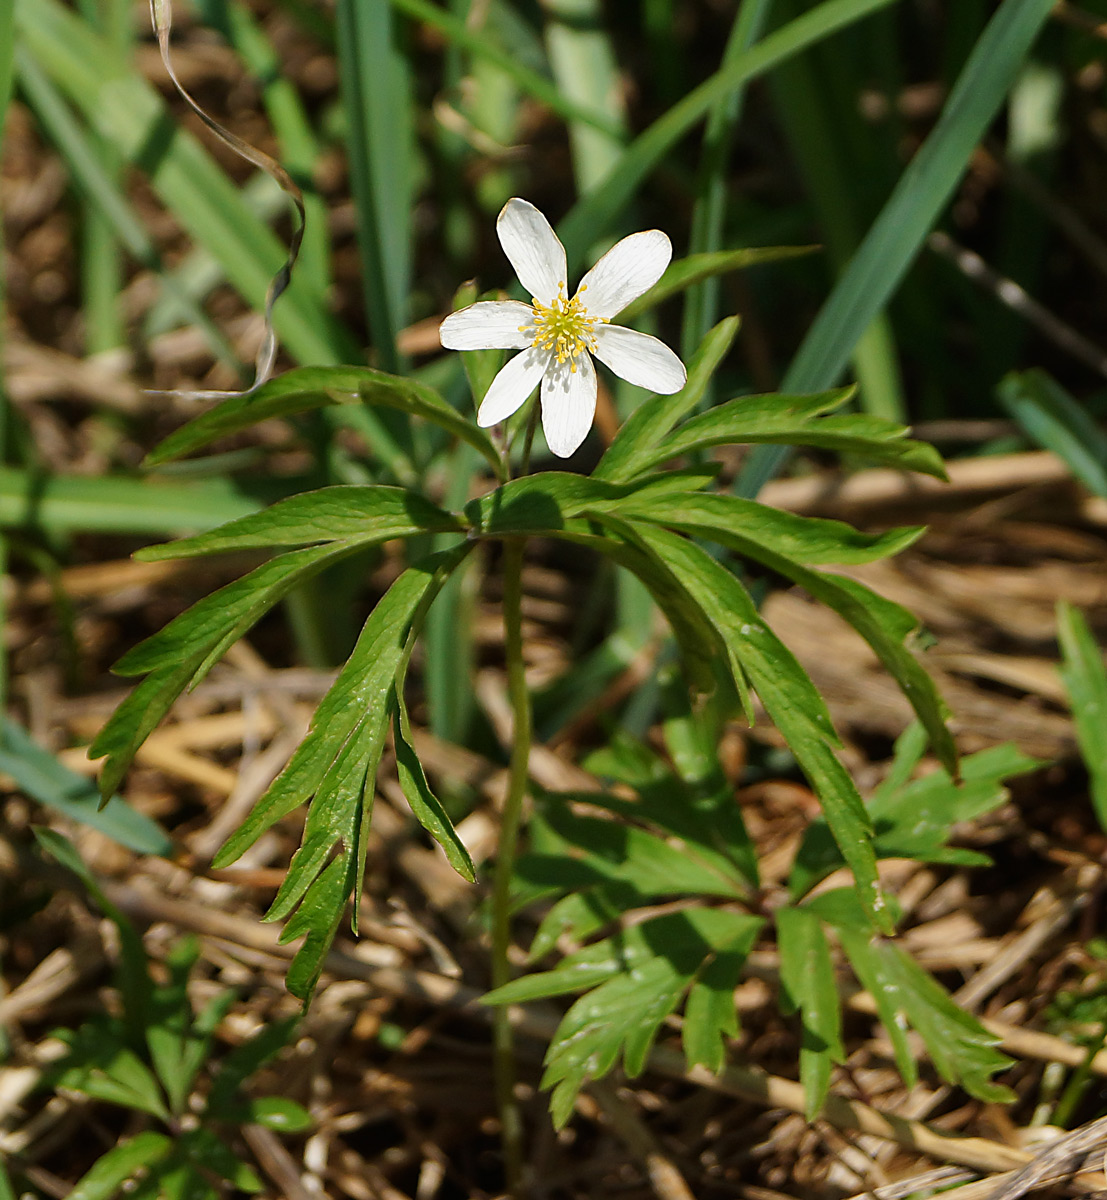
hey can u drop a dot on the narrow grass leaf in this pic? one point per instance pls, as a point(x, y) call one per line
point(1053, 419)
point(32, 499)
point(923, 190)
point(42, 777)
point(1085, 679)
point(594, 214)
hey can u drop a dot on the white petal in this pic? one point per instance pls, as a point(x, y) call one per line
point(625, 272)
point(490, 325)
point(568, 404)
point(532, 249)
point(639, 358)
point(515, 381)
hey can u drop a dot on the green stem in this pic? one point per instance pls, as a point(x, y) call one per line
point(502, 1040)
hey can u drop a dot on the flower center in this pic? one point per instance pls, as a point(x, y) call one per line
point(564, 327)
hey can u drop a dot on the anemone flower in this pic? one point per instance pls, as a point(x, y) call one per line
point(558, 335)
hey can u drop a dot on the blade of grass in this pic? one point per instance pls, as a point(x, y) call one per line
point(60, 503)
point(1085, 679)
point(88, 173)
point(51, 783)
point(456, 32)
point(124, 108)
point(380, 148)
point(592, 215)
point(896, 236)
point(101, 265)
point(585, 71)
point(701, 305)
point(299, 147)
point(824, 161)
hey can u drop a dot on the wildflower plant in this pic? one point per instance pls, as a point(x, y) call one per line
point(600, 864)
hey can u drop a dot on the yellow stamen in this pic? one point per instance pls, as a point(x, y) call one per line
point(564, 327)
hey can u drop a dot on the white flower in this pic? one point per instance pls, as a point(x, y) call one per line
point(557, 335)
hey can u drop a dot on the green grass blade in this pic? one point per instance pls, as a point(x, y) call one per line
point(126, 110)
point(591, 216)
point(585, 71)
point(891, 244)
point(71, 140)
point(817, 144)
point(1055, 420)
point(46, 780)
point(61, 503)
point(1085, 679)
point(708, 215)
point(527, 80)
point(380, 147)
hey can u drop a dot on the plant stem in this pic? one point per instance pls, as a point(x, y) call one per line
point(502, 1041)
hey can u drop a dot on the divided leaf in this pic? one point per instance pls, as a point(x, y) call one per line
point(915, 819)
point(336, 764)
point(787, 692)
point(636, 979)
point(370, 513)
point(797, 420)
point(307, 388)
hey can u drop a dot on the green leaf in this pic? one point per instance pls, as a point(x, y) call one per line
point(134, 977)
point(120, 1164)
point(423, 802)
point(316, 921)
point(101, 1067)
point(364, 512)
point(547, 501)
point(605, 850)
point(42, 777)
point(747, 525)
point(710, 1014)
point(637, 979)
point(61, 503)
point(888, 627)
point(1085, 680)
point(808, 987)
point(359, 695)
point(796, 420)
point(273, 1112)
point(962, 1051)
point(309, 388)
point(1053, 419)
point(202, 1149)
point(653, 419)
point(916, 819)
point(169, 1025)
point(923, 190)
point(686, 272)
point(242, 1062)
point(182, 653)
point(789, 696)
